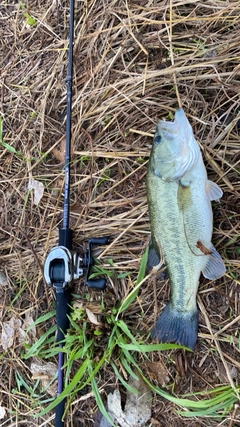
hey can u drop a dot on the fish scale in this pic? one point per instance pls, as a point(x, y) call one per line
point(179, 200)
point(169, 231)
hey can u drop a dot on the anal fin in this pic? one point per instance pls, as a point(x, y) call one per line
point(155, 262)
point(215, 267)
point(153, 256)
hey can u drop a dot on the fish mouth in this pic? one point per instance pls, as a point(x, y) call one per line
point(171, 129)
point(168, 127)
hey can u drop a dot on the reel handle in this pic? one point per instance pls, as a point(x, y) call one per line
point(97, 283)
point(89, 261)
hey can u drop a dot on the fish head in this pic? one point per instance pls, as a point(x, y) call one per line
point(175, 150)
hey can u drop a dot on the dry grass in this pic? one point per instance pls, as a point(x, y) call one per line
point(128, 59)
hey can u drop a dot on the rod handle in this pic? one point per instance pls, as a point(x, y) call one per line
point(62, 310)
point(59, 413)
point(65, 238)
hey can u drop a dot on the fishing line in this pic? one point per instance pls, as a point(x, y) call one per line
point(185, 233)
point(185, 230)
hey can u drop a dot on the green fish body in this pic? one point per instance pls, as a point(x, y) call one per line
point(179, 199)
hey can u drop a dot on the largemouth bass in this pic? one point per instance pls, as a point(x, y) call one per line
point(179, 199)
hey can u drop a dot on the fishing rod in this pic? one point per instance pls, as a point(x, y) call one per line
point(63, 264)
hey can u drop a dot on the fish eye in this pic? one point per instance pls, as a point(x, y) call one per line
point(157, 139)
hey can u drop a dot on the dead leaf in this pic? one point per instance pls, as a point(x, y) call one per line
point(38, 188)
point(115, 408)
point(137, 409)
point(60, 154)
point(10, 330)
point(32, 333)
point(3, 285)
point(3, 279)
point(45, 372)
point(203, 248)
point(181, 364)
point(93, 319)
point(16, 329)
point(78, 305)
point(2, 412)
point(138, 406)
point(103, 423)
point(222, 374)
point(158, 372)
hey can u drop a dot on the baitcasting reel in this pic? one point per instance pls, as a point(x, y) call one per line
point(63, 265)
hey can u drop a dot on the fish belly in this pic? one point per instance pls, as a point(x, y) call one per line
point(180, 217)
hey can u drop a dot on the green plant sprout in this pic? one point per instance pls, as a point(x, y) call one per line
point(201, 44)
point(9, 147)
point(30, 20)
point(33, 114)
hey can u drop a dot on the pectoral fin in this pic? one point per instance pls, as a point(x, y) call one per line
point(215, 267)
point(214, 192)
point(184, 195)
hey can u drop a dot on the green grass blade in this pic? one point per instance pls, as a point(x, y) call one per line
point(123, 326)
point(37, 347)
point(94, 371)
point(146, 348)
point(128, 368)
point(212, 410)
point(143, 266)
point(201, 405)
point(212, 391)
point(141, 277)
point(67, 391)
point(126, 385)
point(100, 402)
point(130, 358)
point(41, 319)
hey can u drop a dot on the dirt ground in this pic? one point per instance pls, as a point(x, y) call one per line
point(132, 61)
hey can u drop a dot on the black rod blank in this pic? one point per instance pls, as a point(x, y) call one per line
point(66, 209)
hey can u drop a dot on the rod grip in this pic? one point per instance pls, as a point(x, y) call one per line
point(59, 413)
point(62, 310)
point(65, 238)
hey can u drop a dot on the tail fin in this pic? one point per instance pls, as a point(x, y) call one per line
point(177, 326)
